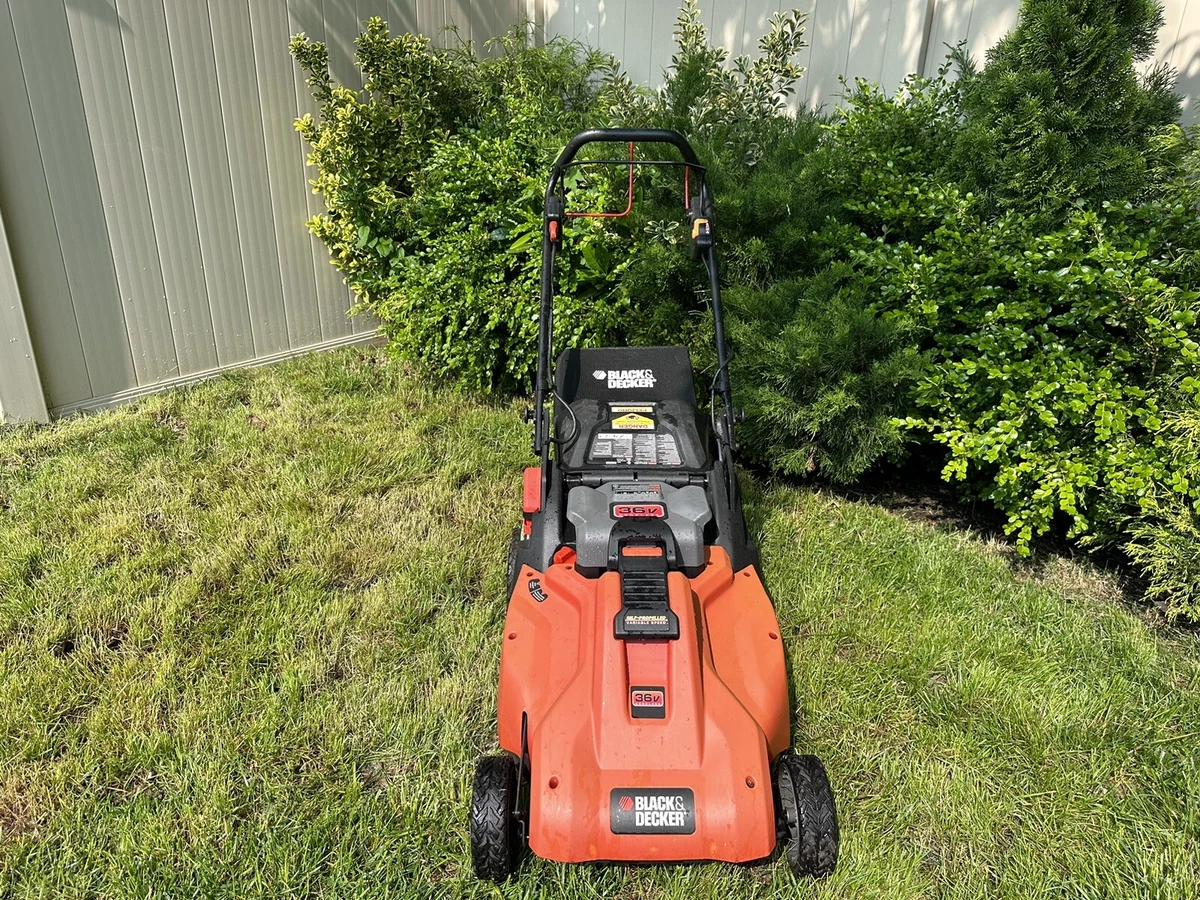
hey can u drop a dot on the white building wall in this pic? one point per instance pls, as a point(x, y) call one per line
point(881, 40)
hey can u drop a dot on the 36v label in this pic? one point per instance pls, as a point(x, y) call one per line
point(652, 811)
point(647, 702)
point(638, 511)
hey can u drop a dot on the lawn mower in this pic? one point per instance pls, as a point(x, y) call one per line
point(643, 699)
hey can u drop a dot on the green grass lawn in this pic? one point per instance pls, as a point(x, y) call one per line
point(249, 636)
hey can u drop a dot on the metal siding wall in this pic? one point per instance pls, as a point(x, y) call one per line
point(333, 297)
point(96, 33)
point(1180, 48)
point(21, 397)
point(189, 33)
point(242, 115)
point(69, 170)
point(880, 40)
point(149, 155)
point(164, 159)
point(286, 181)
point(37, 257)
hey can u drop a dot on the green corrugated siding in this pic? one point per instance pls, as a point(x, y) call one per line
point(149, 156)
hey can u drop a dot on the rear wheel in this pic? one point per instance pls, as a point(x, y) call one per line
point(514, 566)
point(806, 814)
point(493, 826)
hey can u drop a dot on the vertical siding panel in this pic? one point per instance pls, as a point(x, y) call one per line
point(369, 8)
point(620, 29)
point(729, 21)
point(285, 168)
point(832, 25)
point(164, 160)
point(902, 55)
point(757, 23)
point(36, 253)
point(53, 84)
point(806, 55)
point(662, 37)
point(1183, 52)
point(402, 16)
point(560, 18)
point(243, 124)
point(510, 13)
point(333, 299)
point(639, 37)
point(97, 37)
point(431, 20)
point(987, 24)
point(341, 29)
point(21, 395)
point(458, 15)
point(950, 25)
point(613, 15)
point(588, 23)
point(866, 40)
point(189, 36)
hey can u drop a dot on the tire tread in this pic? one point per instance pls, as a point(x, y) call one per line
point(809, 815)
point(493, 850)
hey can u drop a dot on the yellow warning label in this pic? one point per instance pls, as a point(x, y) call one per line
point(633, 422)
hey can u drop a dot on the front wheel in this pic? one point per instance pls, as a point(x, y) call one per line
point(493, 823)
point(806, 814)
point(514, 565)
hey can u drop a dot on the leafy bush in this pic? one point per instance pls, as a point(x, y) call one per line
point(1049, 353)
point(432, 176)
point(1002, 266)
point(1059, 114)
point(1164, 541)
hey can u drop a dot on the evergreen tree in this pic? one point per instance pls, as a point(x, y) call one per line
point(1060, 113)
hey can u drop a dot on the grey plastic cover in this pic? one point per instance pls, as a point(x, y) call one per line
point(590, 511)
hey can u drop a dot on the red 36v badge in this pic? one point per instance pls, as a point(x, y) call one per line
point(647, 702)
point(639, 511)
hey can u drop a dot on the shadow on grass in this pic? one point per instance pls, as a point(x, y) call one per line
point(916, 493)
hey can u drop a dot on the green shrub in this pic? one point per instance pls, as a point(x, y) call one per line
point(1164, 541)
point(433, 178)
point(820, 375)
point(1049, 355)
point(1003, 266)
point(1059, 114)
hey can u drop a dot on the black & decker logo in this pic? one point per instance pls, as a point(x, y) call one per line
point(652, 811)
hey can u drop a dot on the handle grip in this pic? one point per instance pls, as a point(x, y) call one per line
point(623, 136)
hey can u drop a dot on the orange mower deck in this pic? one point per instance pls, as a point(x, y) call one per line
point(725, 713)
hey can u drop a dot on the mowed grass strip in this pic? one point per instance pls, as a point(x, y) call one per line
point(249, 636)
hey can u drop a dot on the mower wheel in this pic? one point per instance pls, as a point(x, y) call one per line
point(807, 815)
point(493, 828)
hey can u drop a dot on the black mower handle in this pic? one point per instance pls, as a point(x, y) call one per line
point(699, 211)
point(623, 136)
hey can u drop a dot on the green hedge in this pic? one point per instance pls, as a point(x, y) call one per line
point(998, 265)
